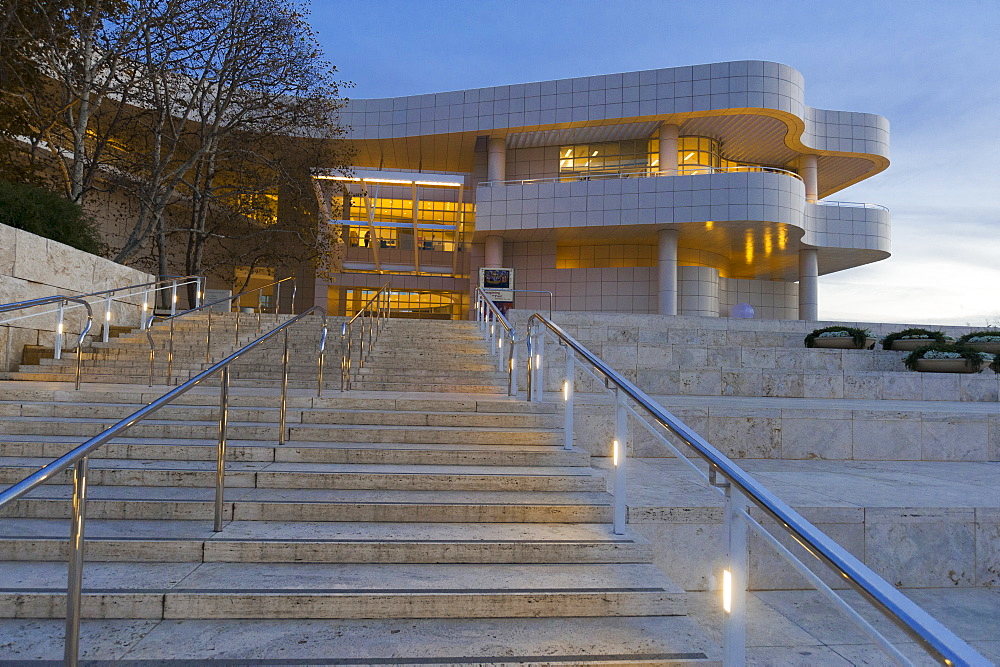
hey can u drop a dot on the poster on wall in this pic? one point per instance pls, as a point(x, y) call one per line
point(498, 283)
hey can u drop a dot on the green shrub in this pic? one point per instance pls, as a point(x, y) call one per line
point(991, 336)
point(860, 336)
point(972, 356)
point(45, 213)
point(936, 336)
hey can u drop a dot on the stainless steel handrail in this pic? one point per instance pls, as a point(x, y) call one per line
point(172, 282)
point(682, 170)
point(79, 456)
point(850, 204)
point(371, 326)
point(208, 332)
point(489, 315)
point(61, 300)
point(928, 632)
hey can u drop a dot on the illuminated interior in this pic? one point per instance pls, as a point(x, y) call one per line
point(695, 155)
point(422, 304)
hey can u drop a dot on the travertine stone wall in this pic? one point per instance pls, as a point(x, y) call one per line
point(673, 358)
point(32, 267)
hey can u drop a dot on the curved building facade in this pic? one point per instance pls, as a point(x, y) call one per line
point(685, 190)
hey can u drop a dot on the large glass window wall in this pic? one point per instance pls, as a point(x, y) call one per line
point(610, 157)
point(695, 155)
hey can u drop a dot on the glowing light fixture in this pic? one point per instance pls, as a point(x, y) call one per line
point(727, 591)
point(688, 156)
point(565, 390)
point(614, 452)
point(593, 154)
point(538, 361)
point(389, 181)
point(107, 316)
point(59, 328)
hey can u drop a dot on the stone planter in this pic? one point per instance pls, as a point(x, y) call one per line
point(910, 344)
point(992, 348)
point(842, 343)
point(949, 366)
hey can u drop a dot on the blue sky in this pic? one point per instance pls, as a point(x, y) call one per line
point(931, 68)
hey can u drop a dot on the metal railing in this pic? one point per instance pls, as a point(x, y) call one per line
point(739, 490)
point(850, 204)
point(371, 319)
point(208, 331)
point(109, 296)
point(494, 324)
point(682, 170)
point(62, 301)
point(79, 457)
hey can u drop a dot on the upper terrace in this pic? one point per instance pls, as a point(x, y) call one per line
point(758, 107)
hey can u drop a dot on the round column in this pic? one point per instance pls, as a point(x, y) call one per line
point(494, 252)
point(666, 265)
point(810, 177)
point(808, 285)
point(497, 164)
point(668, 149)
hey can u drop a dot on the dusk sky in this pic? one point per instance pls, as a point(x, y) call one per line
point(931, 68)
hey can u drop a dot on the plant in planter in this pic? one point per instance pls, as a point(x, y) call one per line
point(841, 338)
point(911, 339)
point(948, 358)
point(984, 341)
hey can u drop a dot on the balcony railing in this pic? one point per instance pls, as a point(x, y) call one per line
point(851, 204)
point(645, 173)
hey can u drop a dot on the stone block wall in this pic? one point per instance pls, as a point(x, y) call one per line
point(32, 267)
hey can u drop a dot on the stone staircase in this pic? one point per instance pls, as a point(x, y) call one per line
point(424, 517)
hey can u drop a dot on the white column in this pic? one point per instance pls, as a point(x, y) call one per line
point(807, 170)
point(494, 252)
point(808, 285)
point(666, 265)
point(668, 149)
point(497, 164)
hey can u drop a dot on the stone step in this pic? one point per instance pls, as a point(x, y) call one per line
point(87, 427)
point(185, 503)
point(170, 449)
point(323, 542)
point(269, 414)
point(448, 387)
point(525, 642)
point(331, 591)
point(124, 472)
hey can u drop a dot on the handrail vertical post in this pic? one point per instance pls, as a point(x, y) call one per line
point(237, 341)
point(220, 460)
point(619, 459)
point(734, 621)
point(321, 360)
point(143, 324)
point(173, 298)
point(529, 341)
point(60, 324)
point(512, 366)
point(74, 580)
point(170, 355)
point(277, 297)
point(295, 288)
point(568, 395)
point(539, 361)
point(107, 319)
point(79, 361)
point(198, 288)
point(284, 391)
point(208, 339)
point(344, 351)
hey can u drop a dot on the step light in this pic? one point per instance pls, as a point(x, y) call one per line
point(727, 591)
point(614, 452)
